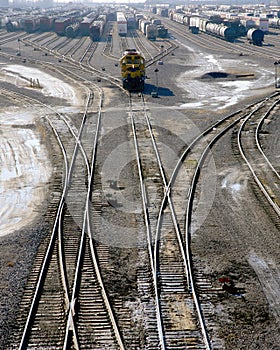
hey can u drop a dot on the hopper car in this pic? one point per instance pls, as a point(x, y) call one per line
point(73, 30)
point(31, 25)
point(46, 24)
point(60, 25)
point(133, 70)
point(85, 25)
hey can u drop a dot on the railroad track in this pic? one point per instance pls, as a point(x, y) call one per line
point(249, 143)
point(169, 282)
point(68, 263)
point(176, 286)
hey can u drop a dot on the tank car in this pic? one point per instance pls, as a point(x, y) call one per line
point(227, 33)
point(133, 70)
point(255, 36)
point(12, 26)
point(274, 22)
point(179, 17)
point(202, 24)
point(143, 23)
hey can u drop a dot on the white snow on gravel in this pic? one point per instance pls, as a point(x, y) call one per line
point(24, 169)
point(21, 76)
point(217, 94)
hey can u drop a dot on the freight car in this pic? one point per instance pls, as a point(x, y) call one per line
point(131, 22)
point(73, 30)
point(151, 32)
point(60, 25)
point(97, 27)
point(133, 70)
point(13, 26)
point(46, 24)
point(255, 36)
point(274, 22)
point(162, 31)
point(31, 25)
point(121, 24)
point(85, 25)
point(221, 31)
point(143, 23)
point(163, 12)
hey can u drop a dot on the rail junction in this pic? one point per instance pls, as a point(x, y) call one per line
point(135, 245)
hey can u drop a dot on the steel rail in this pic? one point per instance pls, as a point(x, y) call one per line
point(48, 253)
point(195, 178)
point(189, 210)
point(253, 172)
point(58, 221)
point(257, 139)
point(148, 227)
point(87, 229)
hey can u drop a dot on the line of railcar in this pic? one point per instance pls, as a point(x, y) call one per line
point(152, 28)
point(91, 25)
point(227, 30)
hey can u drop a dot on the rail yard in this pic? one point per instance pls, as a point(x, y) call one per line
point(139, 183)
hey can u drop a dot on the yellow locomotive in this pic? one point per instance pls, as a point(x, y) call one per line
point(133, 70)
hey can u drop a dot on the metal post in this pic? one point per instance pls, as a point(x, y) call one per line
point(276, 73)
point(156, 71)
point(19, 53)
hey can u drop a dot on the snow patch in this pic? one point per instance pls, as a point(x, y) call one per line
point(25, 170)
point(219, 94)
point(50, 86)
